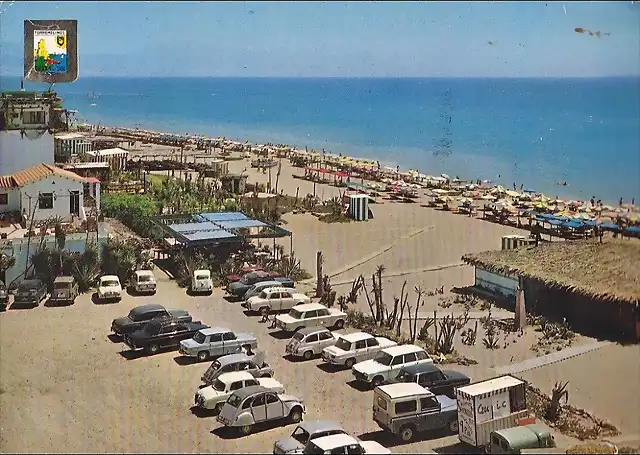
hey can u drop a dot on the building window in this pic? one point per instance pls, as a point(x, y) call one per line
point(33, 118)
point(4, 198)
point(45, 201)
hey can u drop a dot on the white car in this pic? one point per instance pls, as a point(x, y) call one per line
point(201, 281)
point(343, 443)
point(355, 347)
point(388, 363)
point(275, 299)
point(144, 282)
point(109, 288)
point(311, 315)
point(257, 288)
point(212, 397)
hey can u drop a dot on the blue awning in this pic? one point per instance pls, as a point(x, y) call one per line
point(573, 224)
point(555, 222)
point(632, 231)
point(224, 216)
point(193, 227)
point(209, 235)
point(239, 224)
point(590, 223)
point(609, 227)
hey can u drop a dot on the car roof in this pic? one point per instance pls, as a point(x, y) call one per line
point(233, 358)
point(64, 279)
point(235, 376)
point(404, 389)
point(421, 368)
point(146, 308)
point(109, 277)
point(309, 307)
point(356, 336)
point(314, 426)
point(260, 273)
point(278, 289)
point(309, 330)
point(267, 284)
point(214, 330)
point(402, 349)
point(202, 271)
point(144, 272)
point(335, 440)
point(251, 390)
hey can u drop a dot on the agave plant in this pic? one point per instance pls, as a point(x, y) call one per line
point(289, 266)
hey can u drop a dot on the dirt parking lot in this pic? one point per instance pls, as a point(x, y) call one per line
point(65, 386)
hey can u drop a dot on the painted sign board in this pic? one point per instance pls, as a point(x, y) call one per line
point(51, 50)
point(494, 406)
point(466, 419)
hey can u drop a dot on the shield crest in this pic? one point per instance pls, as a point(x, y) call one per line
point(61, 40)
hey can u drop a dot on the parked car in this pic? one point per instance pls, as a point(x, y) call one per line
point(440, 382)
point(257, 288)
point(516, 439)
point(109, 288)
point(355, 347)
point(275, 299)
point(65, 290)
point(306, 431)
point(256, 404)
point(407, 408)
point(162, 333)
point(243, 271)
point(240, 287)
point(310, 315)
point(215, 342)
point(212, 397)
point(343, 443)
point(30, 292)
point(144, 282)
point(140, 315)
point(255, 365)
point(388, 363)
point(4, 296)
point(201, 282)
point(310, 341)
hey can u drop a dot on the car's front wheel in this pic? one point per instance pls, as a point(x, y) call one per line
point(376, 381)
point(295, 415)
point(308, 355)
point(339, 324)
point(203, 356)
point(153, 349)
point(350, 363)
point(245, 430)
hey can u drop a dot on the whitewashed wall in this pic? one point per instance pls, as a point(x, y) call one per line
point(13, 202)
point(496, 283)
point(58, 185)
point(18, 153)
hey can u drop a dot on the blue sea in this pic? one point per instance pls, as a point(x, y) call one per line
point(534, 132)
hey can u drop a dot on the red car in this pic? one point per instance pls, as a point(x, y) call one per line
point(248, 269)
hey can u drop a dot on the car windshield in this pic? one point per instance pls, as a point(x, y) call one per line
point(219, 385)
point(202, 277)
point(234, 400)
point(301, 435)
point(144, 278)
point(152, 328)
point(384, 359)
point(298, 336)
point(343, 344)
point(199, 337)
point(263, 295)
point(133, 315)
point(295, 314)
point(312, 449)
point(109, 283)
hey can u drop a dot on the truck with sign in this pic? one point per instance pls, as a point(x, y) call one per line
point(487, 406)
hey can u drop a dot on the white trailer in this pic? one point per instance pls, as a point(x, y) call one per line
point(486, 406)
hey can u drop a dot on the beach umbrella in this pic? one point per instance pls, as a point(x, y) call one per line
point(512, 193)
point(440, 191)
point(487, 197)
point(633, 217)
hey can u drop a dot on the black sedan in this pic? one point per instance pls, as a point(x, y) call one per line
point(30, 292)
point(162, 333)
point(439, 382)
point(140, 315)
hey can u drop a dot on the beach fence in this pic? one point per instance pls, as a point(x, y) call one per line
point(359, 207)
point(511, 242)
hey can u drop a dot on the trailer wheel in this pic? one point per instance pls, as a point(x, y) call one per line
point(453, 426)
point(407, 432)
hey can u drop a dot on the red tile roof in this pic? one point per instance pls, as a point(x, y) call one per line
point(35, 173)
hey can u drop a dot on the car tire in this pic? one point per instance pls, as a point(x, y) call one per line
point(245, 430)
point(295, 416)
point(407, 433)
point(153, 349)
point(339, 324)
point(349, 363)
point(453, 426)
point(308, 355)
point(203, 356)
point(378, 380)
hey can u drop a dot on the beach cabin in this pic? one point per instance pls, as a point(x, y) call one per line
point(593, 285)
point(116, 157)
point(359, 207)
point(234, 183)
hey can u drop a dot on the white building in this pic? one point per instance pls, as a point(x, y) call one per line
point(68, 146)
point(45, 191)
point(116, 157)
point(27, 120)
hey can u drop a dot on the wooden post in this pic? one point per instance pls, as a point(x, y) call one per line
point(319, 275)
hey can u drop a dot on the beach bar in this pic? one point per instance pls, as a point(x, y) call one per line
point(359, 207)
point(594, 285)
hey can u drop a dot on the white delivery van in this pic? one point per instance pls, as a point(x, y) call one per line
point(486, 406)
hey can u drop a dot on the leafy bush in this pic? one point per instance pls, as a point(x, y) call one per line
point(133, 210)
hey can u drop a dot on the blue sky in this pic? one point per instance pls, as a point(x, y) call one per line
point(317, 39)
